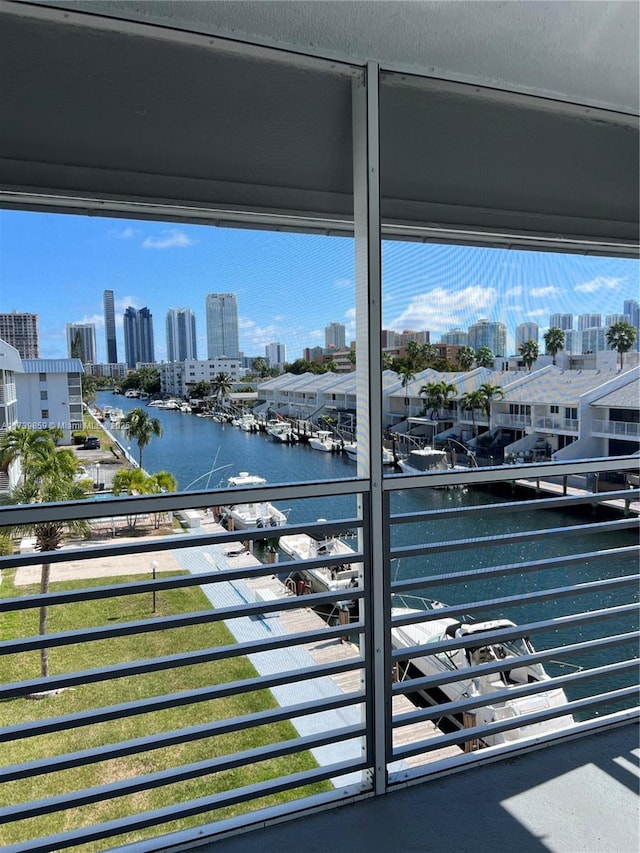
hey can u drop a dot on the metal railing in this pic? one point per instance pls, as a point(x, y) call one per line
point(214, 695)
point(616, 428)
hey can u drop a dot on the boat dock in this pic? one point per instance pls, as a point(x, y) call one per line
point(321, 651)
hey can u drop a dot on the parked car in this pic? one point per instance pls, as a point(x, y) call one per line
point(91, 442)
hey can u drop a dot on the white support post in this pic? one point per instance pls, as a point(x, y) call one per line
point(369, 403)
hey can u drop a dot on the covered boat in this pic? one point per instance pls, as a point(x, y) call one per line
point(427, 632)
point(301, 546)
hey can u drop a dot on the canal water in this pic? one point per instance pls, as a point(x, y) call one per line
point(202, 454)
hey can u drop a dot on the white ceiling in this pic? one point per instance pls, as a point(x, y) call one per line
point(576, 50)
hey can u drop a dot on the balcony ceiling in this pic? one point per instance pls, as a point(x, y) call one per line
point(583, 52)
point(97, 106)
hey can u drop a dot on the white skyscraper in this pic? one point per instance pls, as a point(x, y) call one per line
point(561, 321)
point(222, 325)
point(334, 335)
point(526, 332)
point(81, 342)
point(181, 334)
point(589, 321)
point(487, 334)
point(631, 308)
point(275, 354)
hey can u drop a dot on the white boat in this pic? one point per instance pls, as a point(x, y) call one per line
point(325, 441)
point(165, 404)
point(254, 514)
point(300, 546)
point(427, 632)
point(281, 431)
point(351, 449)
point(424, 460)
point(246, 422)
point(244, 478)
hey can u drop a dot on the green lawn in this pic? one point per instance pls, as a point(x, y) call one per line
point(90, 655)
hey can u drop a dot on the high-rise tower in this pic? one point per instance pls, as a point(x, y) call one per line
point(487, 334)
point(222, 325)
point(110, 327)
point(334, 335)
point(181, 334)
point(138, 336)
point(21, 331)
point(81, 342)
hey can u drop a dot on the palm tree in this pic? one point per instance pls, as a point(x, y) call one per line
point(413, 354)
point(221, 385)
point(466, 357)
point(139, 425)
point(488, 392)
point(621, 337)
point(24, 444)
point(471, 401)
point(260, 366)
point(484, 357)
point(406, 376)
point(529, 352)
point(554, 341)
point(438, 394)
point(48, 478)
point(428, 354)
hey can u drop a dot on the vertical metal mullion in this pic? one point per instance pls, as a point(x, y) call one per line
point(368, 263)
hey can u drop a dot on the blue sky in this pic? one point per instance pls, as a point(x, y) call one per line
point(289, 286)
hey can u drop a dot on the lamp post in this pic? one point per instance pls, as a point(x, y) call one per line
point(154, 567)
point(97, 476)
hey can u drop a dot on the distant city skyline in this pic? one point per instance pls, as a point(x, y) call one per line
point(288, 287)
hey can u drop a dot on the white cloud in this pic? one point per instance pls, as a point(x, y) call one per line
point(543, 291)
point(539, 312)
point(600, 282)
point(96, 319)
point(439, 309)
point(514, 291)
point(344, 283)
point(171, 239)
point(126, 233)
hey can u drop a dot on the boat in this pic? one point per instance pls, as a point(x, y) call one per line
point(247, 422)
point(254, 514)
point(325, 441)
point(185, 408)
point(428, 632)
point(301, 546)
point(165, 404)
point(424, 460)
point(244, 478)
point(351, 449)
point(281, 431)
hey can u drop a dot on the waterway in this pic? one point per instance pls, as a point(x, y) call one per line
point(202, 454)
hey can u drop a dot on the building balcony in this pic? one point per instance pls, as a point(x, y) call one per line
point(514, 421)
point(193, 691)
point(619, 429)
point(563, 425)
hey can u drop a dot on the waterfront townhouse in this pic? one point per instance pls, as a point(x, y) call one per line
point(177, 376)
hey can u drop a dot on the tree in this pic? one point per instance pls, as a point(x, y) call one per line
point(260, 366)
point(140, 426)
point(554, 341)
point(621, 337)
point(48, 478)
point(387, 361)
point(25, 444)
point(199, 390)
point(466, 357)
point(221, 385)
point(529, 352)
point(488, 392)
point(438, 395)
point(134, 481)
point(484, 357)
point(406, 376)
point(89, 388)
point(77, 350)
point(413, 354)
point(149, 378)
point(472, 401)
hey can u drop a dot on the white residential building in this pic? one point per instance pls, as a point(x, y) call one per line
point(10, 368)
point(177, 376)
point(275, 355)
point(526, 332)
point(50, 394)
point(181, 334)
point(334, 335)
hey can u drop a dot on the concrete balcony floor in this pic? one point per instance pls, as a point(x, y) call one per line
point(577, 796)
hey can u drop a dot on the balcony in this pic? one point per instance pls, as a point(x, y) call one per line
point(563, 425)
point(619, 429)
point(193, 622)
point(514, 421)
